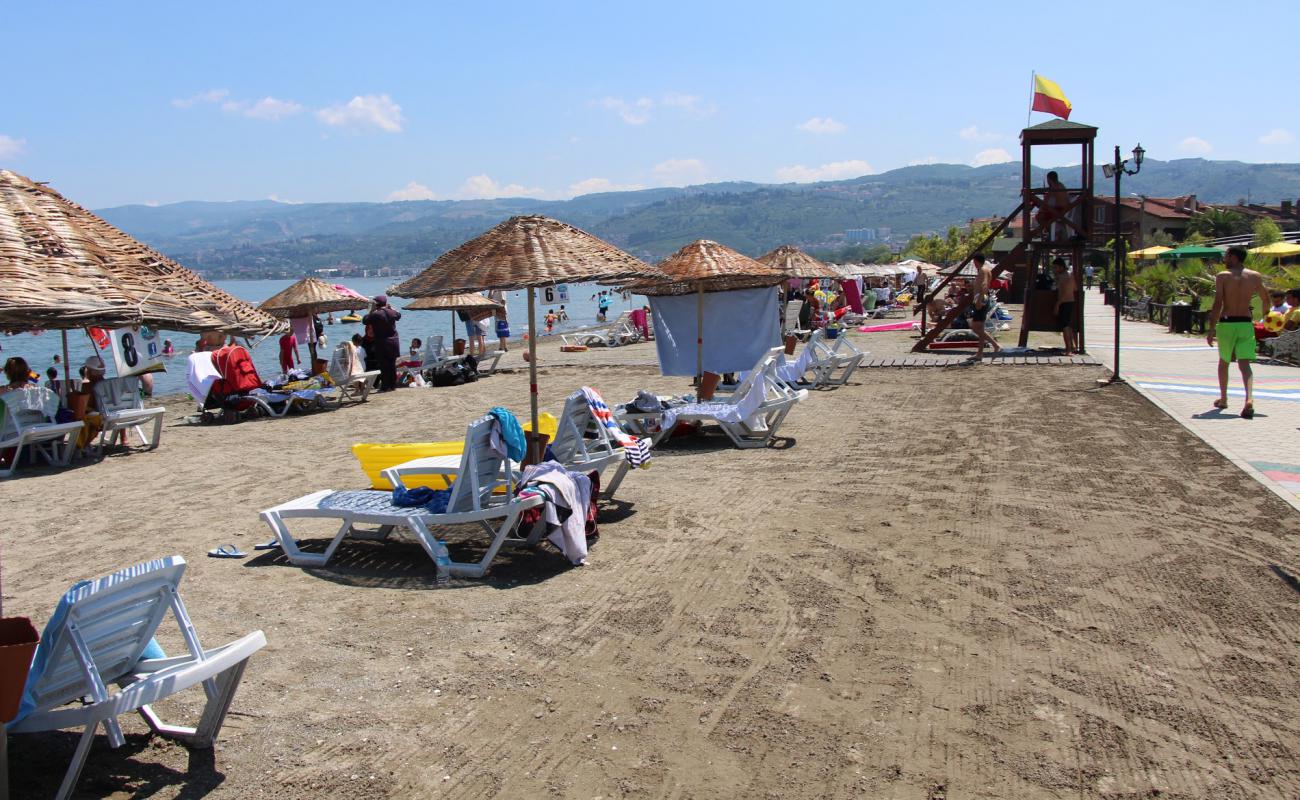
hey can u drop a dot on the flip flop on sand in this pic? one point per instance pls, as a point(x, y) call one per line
point(271, 545)
point(227, 551)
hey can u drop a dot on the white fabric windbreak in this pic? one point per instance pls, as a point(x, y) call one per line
point(739, 327)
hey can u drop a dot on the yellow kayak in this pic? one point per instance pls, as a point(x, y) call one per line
point(375, 457)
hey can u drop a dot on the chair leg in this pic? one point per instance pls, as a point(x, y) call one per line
point(78, 761)
point(616, 480)
point(214, 713)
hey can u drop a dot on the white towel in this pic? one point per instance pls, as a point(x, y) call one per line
point(200, 374)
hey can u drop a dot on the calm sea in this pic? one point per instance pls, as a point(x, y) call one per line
point(39, 349)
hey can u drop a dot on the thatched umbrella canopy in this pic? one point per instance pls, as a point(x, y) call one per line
point(464, 301)
point(313, 296)
point(63, 267)
point(525, 253)
point(795, 263)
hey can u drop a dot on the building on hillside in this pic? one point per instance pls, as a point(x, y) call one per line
point(884, 233)
point(860, 235)
point(1285, 214)
point(1144, 216)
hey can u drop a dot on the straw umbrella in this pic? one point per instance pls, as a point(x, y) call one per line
point(706, 266)
point(795, 263)
point(525, 253)
point(63, 267)
point(465, 301)
point(311, 296)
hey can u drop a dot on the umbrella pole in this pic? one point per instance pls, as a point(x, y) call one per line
point(532, 373)
point(67, 370)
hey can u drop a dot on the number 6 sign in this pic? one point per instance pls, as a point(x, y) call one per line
point(554, 295)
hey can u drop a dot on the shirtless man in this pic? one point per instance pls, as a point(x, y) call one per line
point(1066, 288)
point(980, 306)
point(1232, 320)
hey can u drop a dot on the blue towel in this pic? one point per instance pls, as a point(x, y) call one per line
point(433, 500)
point(511, 433)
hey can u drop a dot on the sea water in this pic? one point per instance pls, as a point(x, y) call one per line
point(40, 348)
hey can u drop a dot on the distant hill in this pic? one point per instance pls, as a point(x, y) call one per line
point(259, 238)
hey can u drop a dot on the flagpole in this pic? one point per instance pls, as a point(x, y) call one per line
point(1030, 112)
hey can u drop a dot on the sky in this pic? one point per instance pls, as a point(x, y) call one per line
point(119, 103)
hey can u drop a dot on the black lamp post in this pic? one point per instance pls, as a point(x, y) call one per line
point(1116, 171)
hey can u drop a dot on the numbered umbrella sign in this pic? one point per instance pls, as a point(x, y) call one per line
point(554, 295)
point(136, 350)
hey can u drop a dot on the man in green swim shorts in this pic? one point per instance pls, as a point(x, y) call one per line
point(1232, 320)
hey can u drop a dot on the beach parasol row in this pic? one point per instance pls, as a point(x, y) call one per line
point(795, 263)
point(525, 252)
point(63, 267)
point(464, 301)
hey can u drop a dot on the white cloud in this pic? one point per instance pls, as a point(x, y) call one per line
point(822, 125)
point(11, 147)
point(1195, 145)
point(972, 133)
point(277, 199)
point(678, 170)
point(836, 170)
point(482, 187)
point(993, 155)
point(634, 112)
point(210, 96)
point(364, 111)
point(594, 185)
point(1277, 136)
point(413, 191)
point(687, 102)
point(923, 161)
point(270, 108)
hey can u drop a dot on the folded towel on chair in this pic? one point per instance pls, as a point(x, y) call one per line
point(636, 450)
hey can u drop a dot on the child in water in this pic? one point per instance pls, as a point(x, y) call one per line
point(551, 319)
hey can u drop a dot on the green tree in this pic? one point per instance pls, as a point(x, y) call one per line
point(1214, 223)
point(1266, 232)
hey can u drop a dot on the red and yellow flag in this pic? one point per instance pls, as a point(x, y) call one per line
point(1049, 98)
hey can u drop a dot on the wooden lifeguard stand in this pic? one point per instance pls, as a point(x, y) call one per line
point(1063, 233)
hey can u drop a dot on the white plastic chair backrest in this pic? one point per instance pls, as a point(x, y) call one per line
point(25, 407)
point(99, 631)
point(340, 368)
point(762, 371)
point(432, 352)
point(579, 436)
point(480, 469)
point(118, 394)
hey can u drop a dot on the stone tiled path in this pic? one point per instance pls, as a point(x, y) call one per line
point(1177, 373)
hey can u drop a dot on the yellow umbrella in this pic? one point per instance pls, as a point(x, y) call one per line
point(1149, 252)
point(1279, 249)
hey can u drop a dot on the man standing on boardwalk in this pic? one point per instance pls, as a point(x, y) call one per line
point(1066, 289)
point(980, 305)
point(1232, 320)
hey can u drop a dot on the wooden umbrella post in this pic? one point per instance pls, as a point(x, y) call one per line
point(536, 443)
point(67, 370)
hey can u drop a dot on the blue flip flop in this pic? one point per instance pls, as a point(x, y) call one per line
point(227, 551)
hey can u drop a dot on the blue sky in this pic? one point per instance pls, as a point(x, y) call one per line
point(154, 103)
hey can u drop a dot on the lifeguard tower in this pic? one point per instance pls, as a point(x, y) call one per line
point(1049, 229)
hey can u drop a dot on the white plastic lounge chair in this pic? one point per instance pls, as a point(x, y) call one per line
point(434, 358)
point(833, 360)
point(619, 332)
point(473, 501)
point(25, 422)
point(122, 409)
point(98, 636)
point(350, 383)
point(750, 416)
point(491, 360)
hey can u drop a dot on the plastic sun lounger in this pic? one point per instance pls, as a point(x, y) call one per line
point(434, 358)
point(581, 444)
point(350, 385)
point(491, 359)
point(759, 406)
point(619, 332)
point(24, 423)
point(122, 408)
point(98, 636)
point(473, 501)
point(834, 361)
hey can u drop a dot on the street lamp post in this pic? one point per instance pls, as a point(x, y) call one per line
point(1117, 170)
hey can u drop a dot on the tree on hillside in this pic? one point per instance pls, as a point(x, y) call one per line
point(1266, 232)
point(1214, 223)
point(953, 247)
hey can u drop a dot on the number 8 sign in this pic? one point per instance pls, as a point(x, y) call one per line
point(554, 295)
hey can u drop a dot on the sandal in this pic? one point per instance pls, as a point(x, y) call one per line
point(1222, 405)
point(1248, 411)
point(227, 551)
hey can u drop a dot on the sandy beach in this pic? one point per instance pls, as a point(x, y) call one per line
point(982, 582)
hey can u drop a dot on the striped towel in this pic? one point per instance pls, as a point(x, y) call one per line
point(636, 450)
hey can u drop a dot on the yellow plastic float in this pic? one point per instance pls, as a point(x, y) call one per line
point(375, 457)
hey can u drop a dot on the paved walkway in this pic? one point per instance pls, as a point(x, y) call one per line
point(1177, 373)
